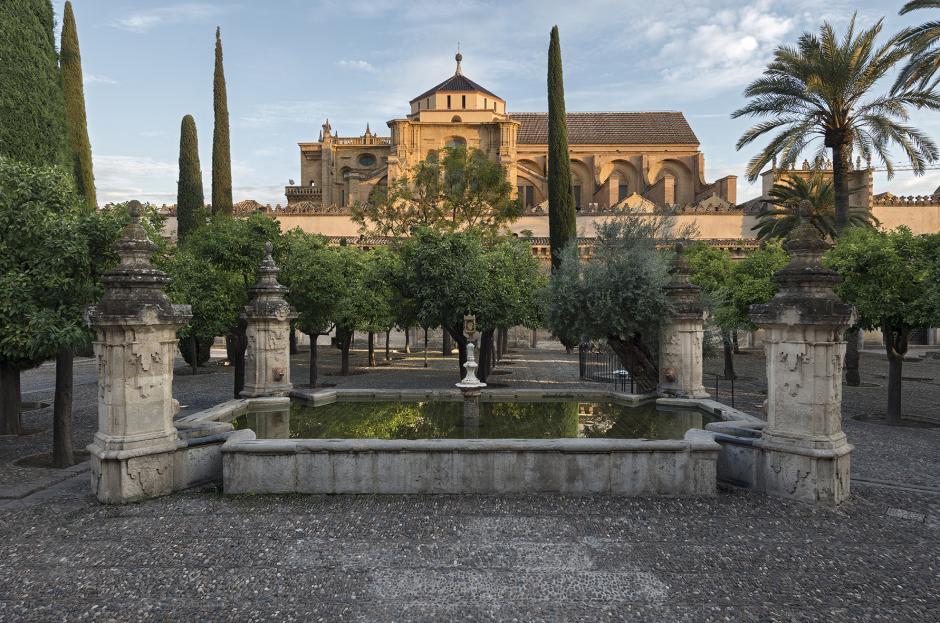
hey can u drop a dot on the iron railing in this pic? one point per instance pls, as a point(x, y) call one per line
point(600, 364)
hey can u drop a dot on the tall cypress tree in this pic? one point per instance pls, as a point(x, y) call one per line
point(189, 195)
point(33, 130)
point(562, 225)
point(221, 150)
point(32, 108)
point(70, 61)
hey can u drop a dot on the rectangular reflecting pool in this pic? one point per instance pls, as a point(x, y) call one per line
point(442, 419)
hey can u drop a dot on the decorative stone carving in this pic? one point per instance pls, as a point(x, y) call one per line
point(268, 316)
point(804, 453)
point(680, 339)
point(132, 452)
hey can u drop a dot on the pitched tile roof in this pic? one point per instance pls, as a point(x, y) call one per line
point(610, 128)
point(457, 82)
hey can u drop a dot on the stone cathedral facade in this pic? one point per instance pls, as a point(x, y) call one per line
point(640, 159)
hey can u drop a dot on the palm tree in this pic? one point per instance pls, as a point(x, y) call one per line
point(791, 198)
point(821, 89)
point(923, 43)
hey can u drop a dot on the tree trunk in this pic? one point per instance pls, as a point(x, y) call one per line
point(407, 340)
point(314, 351)
point(194, 345)
point(456, 333)
point(637, 358)
point(729, 355)
point(852, 356)
point(62, 453)
point(371, 349)
point(344, 345)
point(388, 355)
point(487, 353)
point(896, 345)
point(841, 165)
point(734, 342)
point(448, 346)
point(425, 347)
point(10, 399)
point(235, 345)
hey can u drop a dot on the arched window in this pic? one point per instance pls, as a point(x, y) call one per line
point(448, 101)
point(463, 101)
point(456, 119)
point(456, 141)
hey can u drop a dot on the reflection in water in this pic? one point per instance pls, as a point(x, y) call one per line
point(498, 420)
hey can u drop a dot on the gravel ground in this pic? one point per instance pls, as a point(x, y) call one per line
point(736, 557)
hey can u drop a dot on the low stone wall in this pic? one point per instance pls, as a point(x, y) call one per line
point(569, 466)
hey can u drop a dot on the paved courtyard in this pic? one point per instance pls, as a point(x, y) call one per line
point(737, 557)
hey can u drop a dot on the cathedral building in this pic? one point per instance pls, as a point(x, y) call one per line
point(639, 159)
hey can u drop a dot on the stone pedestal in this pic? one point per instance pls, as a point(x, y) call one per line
point(804, 453)
point(680, 339)
point(132, 452)
point(471, 387)
point(268, 317)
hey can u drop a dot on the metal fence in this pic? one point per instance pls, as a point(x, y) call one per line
point(600, 364)
point(745, 393)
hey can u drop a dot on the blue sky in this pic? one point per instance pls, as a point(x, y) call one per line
point(290, 63)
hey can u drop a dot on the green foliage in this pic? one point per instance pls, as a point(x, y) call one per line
point(363, 303)
point(452, 189)
point(824, 89)
point(618, 292)
point(32, 106)
point(562, 222)
point(455, 273)
point(214, 294)
point(788, 198)
point(234, 244)
point(190, 200)
point(46, 266)
point(314, 274)
point(923, 44)
point(818, 90)
point(729, 288)
point(221, 148)
point(71, 66)
point(892, 278)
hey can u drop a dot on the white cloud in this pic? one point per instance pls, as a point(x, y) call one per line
point(98, 79)
point(288, 111)
point(356, 65)
point(151, 18)
point(122, 178)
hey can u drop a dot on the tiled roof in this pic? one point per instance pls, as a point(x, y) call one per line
point(610, 128)
point(457, 82)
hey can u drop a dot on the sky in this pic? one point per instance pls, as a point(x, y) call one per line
point(290, 64)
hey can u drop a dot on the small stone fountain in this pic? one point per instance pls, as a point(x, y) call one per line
point(470, 386)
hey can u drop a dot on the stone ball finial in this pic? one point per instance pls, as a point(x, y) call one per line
point(679, 248)
point(458, 57)
point(135, 209)
point(806, 209)
point(268, 248)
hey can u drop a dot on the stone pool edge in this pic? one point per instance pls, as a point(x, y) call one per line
point(691, 466)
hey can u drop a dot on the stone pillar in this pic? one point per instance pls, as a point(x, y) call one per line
point(132, 452)
point(268, 316)
point(680, 339)
point(804, 453)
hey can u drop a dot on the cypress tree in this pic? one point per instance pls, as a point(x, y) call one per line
point(562, 226)
point(221, 150)
point(32, 108)
point(70, 61)
point(189, 195)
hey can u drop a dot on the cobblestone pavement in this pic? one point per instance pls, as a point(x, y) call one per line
point(737, 557)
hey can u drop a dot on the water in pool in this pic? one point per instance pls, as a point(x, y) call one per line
point(498, 420)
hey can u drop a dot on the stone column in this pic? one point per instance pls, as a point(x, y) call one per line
point(132, 452)
point(680, 339)
point(804, 453)
point(268, 316)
